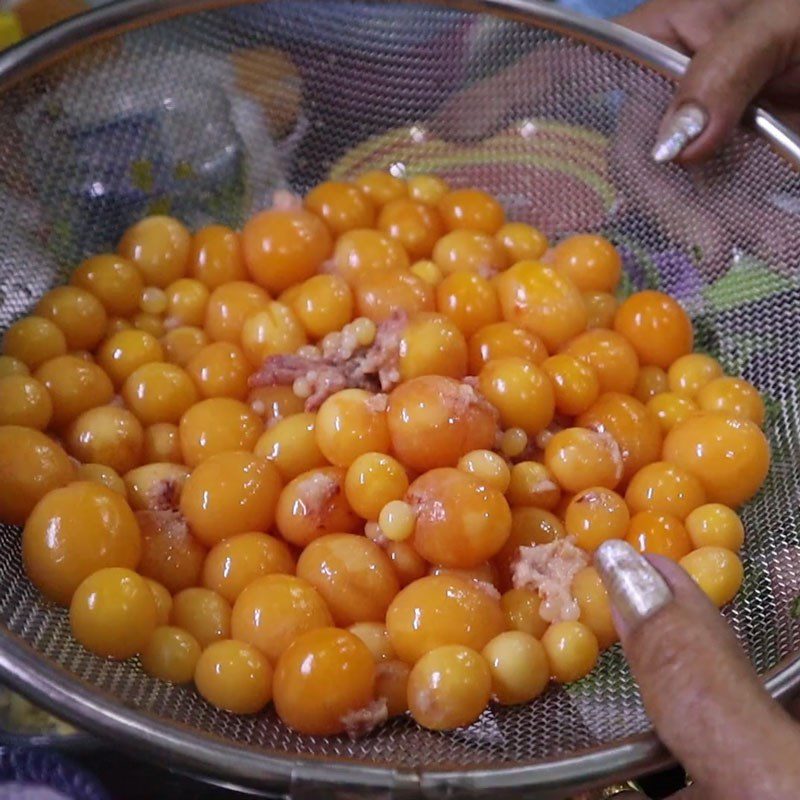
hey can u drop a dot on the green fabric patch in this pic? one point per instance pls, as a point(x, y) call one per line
point(746, 282)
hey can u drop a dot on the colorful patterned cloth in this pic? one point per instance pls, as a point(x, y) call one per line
point(567, 163)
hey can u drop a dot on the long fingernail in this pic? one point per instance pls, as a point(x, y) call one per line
point(636, 589)
point(684, 125)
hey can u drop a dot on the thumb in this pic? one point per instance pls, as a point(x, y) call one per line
point(723, 77)
point(700, 692)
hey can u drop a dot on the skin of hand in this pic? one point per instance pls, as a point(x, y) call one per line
point(739, 49)
point(703, 698)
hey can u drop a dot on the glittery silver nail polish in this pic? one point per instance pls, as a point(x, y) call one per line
point(681, 127)
point(635, 587)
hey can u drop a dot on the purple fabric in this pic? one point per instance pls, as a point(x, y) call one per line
point(51, 774)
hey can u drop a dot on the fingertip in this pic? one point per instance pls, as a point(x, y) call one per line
point(635, 587)
point(709, 142)
point(693, 130)
point(722, 79)
point(684, 122)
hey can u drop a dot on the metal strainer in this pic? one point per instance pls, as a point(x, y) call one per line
point(198, 116)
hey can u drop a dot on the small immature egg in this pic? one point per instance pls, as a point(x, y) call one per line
point(488, 467)
point(31, 466)
point(513, 443)
point(171, 655)
point(449, 687)
point(234, 563)
point(397, 520)
point(34, 340)
point(163, 601)
point(113, 613)
point(572, 650)
point(74, 531)
point(234, 676)
point(518, 666)
point(217, 425)
point(717, 571)
point(100, 473)
point(322, 677)
point(159, 247)
point(229, 493)
point(203, 613)
point(24, 401)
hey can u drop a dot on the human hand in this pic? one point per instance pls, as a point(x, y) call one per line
point(705, 701)
point(740, 50)
point(741, 204)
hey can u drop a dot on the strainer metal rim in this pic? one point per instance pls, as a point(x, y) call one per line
point(57, 690)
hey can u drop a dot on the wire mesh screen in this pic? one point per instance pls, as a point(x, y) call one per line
point(206, 115)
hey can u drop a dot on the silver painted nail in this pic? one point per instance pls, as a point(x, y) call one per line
point(635, 587)
point(682, 127)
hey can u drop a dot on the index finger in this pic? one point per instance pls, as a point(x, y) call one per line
point(653, 19)
point(705, 701)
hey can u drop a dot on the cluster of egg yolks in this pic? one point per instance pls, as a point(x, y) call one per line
point(353, 557)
